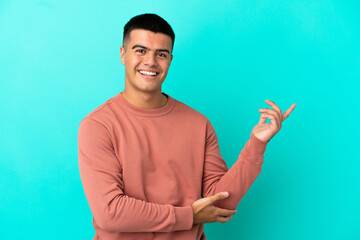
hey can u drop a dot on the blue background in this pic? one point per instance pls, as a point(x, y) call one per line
point(60, 59)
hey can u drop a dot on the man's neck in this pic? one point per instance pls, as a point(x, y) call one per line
point(146, 101)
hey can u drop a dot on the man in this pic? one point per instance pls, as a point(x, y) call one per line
point(146, 159)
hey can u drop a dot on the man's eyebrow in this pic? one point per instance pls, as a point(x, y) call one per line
point(158, 50)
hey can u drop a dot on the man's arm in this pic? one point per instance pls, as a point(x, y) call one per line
point(101, 176)
point(238, 179)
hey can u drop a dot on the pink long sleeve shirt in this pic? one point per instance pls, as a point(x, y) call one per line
point(141, 169)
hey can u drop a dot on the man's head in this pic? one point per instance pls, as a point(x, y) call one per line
point(151, 22)
point(146, 53)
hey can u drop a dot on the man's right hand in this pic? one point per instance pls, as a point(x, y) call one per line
point(205, 212)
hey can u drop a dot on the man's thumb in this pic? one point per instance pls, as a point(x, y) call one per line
point(221, 195)
point(225, 194)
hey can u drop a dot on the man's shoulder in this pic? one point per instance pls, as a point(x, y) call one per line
point(189, 112)
point(102, 112)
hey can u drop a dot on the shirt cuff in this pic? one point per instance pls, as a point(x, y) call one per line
point(184, 218)
point(256, 145)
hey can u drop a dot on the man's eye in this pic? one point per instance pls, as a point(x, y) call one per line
point(140, 50)
point(162, 55)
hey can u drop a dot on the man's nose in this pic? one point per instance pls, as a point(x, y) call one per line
point(150, 59)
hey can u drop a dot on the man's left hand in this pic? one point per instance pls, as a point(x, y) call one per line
point(265, 131)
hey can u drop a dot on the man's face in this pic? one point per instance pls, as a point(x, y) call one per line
point(147, 57)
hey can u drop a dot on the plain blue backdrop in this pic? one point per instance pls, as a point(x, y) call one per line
point(60, 59)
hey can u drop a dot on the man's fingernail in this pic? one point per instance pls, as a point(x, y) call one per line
point(226, 194)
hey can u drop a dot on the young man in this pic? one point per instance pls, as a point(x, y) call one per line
point(146, 159)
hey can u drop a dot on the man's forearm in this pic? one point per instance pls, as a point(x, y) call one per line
point(238, 179)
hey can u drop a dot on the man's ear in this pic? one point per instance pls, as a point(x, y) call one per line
point(171, 58)
point(122, 53)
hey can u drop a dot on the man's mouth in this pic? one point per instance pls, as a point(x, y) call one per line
point(148, 73)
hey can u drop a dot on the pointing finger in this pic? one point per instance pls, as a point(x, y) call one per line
point(287, 113)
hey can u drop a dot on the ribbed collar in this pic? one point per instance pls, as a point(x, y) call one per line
point(146, 112)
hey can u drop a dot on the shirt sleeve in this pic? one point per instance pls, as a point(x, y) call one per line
point(236, 180)
point(101, 176)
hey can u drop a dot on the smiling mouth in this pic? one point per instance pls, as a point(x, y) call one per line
point(148, 73)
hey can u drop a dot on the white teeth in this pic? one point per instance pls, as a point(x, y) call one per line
point(148, 73)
